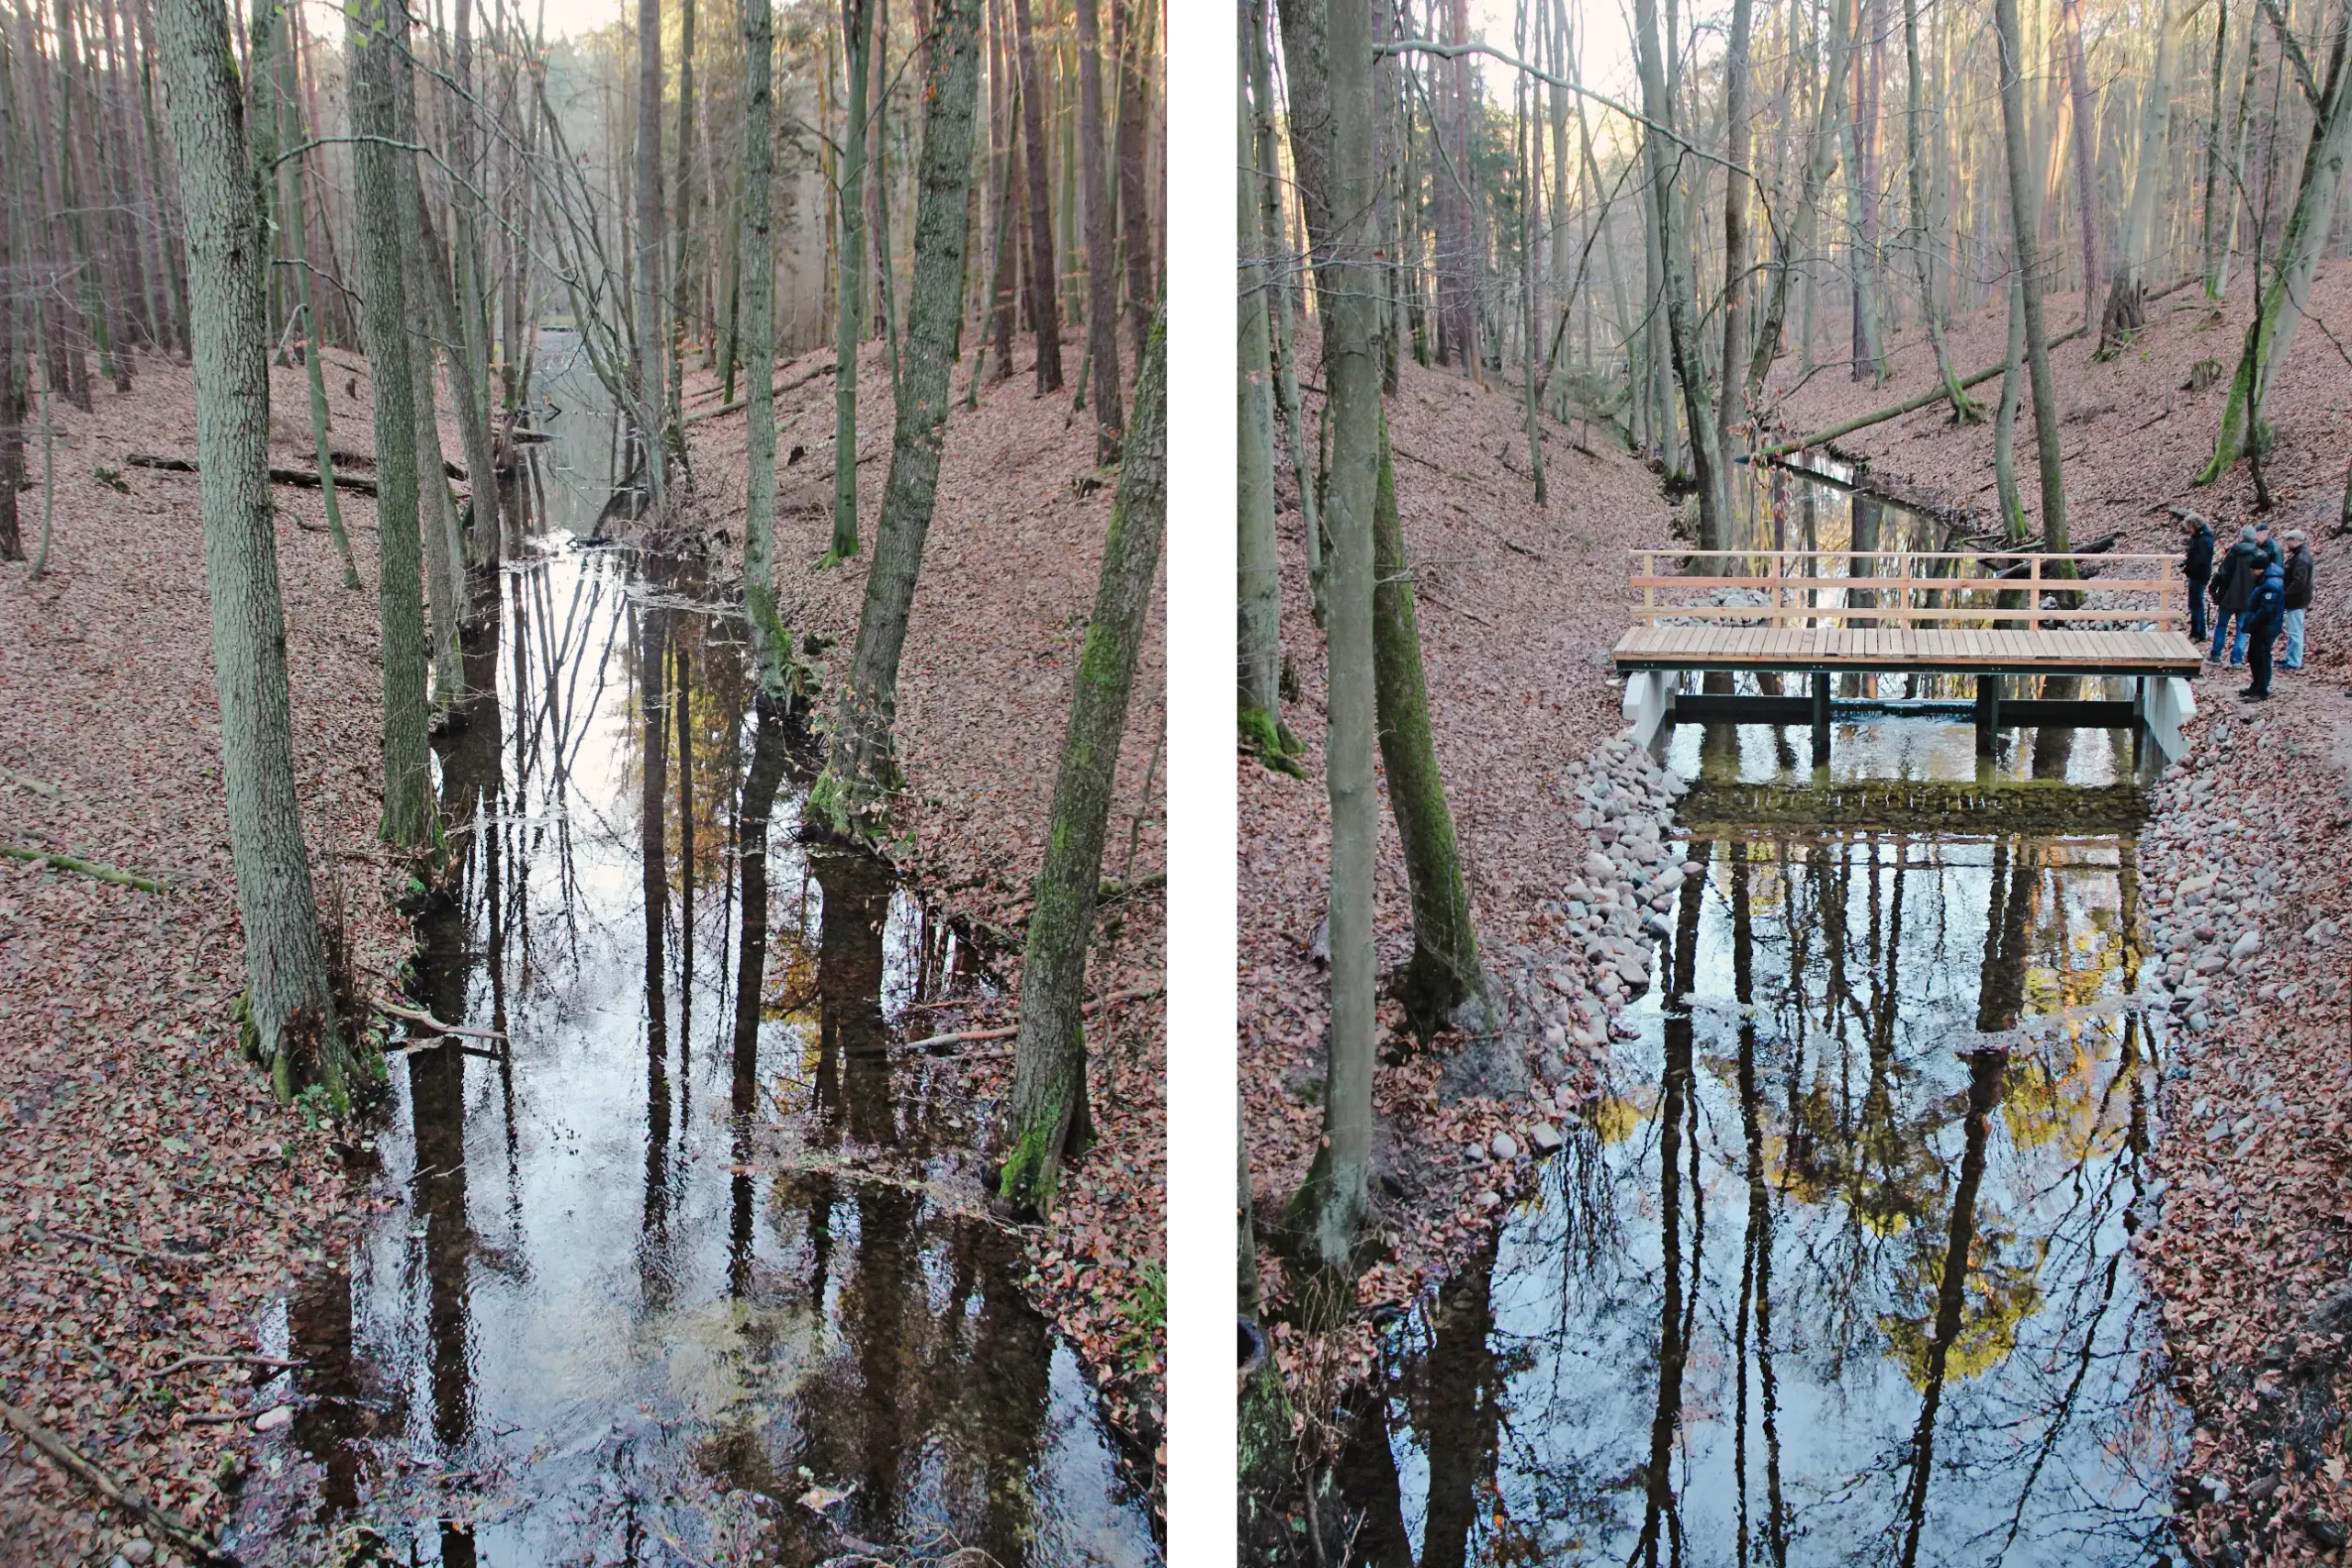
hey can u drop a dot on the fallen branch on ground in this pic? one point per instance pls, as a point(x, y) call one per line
point(777, 390)
point(126, 1247)
point(393, 1009)
point(1894, 411)
point(25, 781)
point(184, 1362)
point(305, 477)
point(70, 1460)
point(115, 874)
point(969, 1036)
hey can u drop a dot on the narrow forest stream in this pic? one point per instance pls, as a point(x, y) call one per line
point(689, 1269)
point(1900, 1027)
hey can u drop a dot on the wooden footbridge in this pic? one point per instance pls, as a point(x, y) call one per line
point(1821, 613)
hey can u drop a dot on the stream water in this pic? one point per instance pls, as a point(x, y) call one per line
point(1835, 1269)
point(686, 1270)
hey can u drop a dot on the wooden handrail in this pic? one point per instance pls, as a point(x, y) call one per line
point(1892, 614)
point(1680, 554)
point(1932, 584)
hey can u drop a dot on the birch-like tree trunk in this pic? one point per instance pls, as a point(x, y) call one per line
point(1045, 299)
point(376, 29)
point(1050, 1115)
point(862, 770)
point(289, 1005)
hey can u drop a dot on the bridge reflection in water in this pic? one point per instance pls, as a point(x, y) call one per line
point(1835, 1268)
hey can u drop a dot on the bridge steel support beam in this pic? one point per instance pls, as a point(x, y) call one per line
point(1821, 718)
point(1988, 712)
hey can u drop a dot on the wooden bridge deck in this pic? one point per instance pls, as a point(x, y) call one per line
point(1903, 648)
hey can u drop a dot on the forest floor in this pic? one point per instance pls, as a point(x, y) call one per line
point(2252, 1259)
point(1519, 605)
point(1000, 610)
point(131, 1119)
point(158, 1198)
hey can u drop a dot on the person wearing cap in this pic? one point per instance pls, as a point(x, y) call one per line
point(2264, 612)
point(2300, 571)
point(2233, 584)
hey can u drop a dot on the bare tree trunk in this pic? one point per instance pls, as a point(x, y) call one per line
point(1102, 259)
point(2025, 228)
point(1682, 312)
point(1259, 588)
point(771, 639)
point(293, 183)
point(645, 380)
point(1795, 246)
point(1131, 42)
point(1735, 87)
point(2207, 229)
point(1328, 61)
point(2085, 130)
point(1922, 224)
point(11, 375)
point(862, 771)
point(1282, 337)
point(2126, 310)
point(682, 224)
point(2271, 335)
point(849, 288)
point(1044, 302)
point(378, 32)
point(289, 1004)
point(1050, 1118)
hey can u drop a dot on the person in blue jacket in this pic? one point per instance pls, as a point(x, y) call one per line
point(2266, 611)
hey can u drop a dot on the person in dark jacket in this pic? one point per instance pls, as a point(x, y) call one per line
point(2299, 572)
point(2233, 586)
point(2264, 612)
point(2272, 554)
point(2198, 569)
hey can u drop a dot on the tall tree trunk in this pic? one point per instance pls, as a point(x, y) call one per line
point(2025, 226)
point(2271, 335)
point(1794, 252)
point(1923, 223)
point(1441, 982)
point(1681, 311)
point(1044, 299)
point(1258, 587)
point(862, 771)
point(1282, 338)
point(646, 371)
point(755, 307)
point(2085, 132)
point(1861, 210)
point(849, 287)
point(1328, 61)
point(2005, 423)
point(2208, 229)
point(1101, 258)
point(293, 183)
point(377, 32)
point(682, 223)
point(1049, 1117)
point(1131, 41)
point(2126, 310)
point(445, 556)
point(290, 1005)
point(12, 372)
point(1735, 89)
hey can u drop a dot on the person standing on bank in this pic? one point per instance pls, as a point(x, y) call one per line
point(2265, 612)
point(2233, 586)
point(2198, 569)
point(2300, 571)
point(2272, 554)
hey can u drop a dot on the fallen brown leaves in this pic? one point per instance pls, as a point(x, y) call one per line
point(156, 1197)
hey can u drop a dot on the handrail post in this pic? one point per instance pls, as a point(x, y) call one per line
point(2033, 593)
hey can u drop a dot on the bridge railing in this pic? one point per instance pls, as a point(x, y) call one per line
point(1904, 587)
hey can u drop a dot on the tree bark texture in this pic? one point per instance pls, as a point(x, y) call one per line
point(2025, 225)
point(648, 368)
point(289, 1004)
point(1102, 257)
point(1333, 79)
point(408, 795)
point(1259, 580)
point(1444, 973)
point(849, 287)
point(862, 769)
point(755, 309)
point(1044, 297)
point(1050, 1102)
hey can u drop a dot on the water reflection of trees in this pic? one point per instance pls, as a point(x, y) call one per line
point(1893, 1080)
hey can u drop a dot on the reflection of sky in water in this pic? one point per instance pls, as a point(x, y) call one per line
point(572, 475)
point(590, 1290)
point(1834, 979)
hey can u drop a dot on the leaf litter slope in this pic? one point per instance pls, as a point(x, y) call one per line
point(1518, 606)
point(129, 1114)
point(2252, 1252)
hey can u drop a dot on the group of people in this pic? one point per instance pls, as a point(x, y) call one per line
point(2259, 588)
